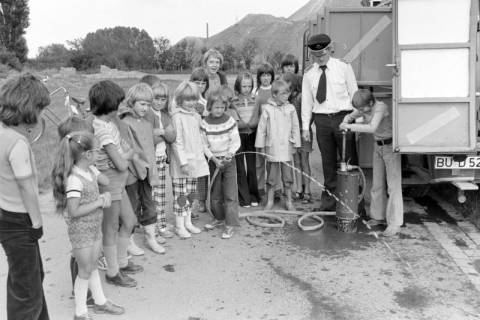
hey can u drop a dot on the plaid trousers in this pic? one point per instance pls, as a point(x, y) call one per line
point(183, 195)
point(159, 192)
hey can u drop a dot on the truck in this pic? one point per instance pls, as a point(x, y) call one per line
point(422, 57)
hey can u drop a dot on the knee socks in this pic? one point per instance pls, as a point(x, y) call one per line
point(95, 286)
point(80, 289)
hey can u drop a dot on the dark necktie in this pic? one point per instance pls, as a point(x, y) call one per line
point(322, 86)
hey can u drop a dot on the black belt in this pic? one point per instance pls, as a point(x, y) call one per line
point(340, 113)
point(384, 142)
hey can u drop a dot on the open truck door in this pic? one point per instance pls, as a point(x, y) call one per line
point(434, 76)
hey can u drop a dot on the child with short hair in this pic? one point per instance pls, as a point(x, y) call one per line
point(223, 140)
point(164, 134)
point(22, 98)
point(289, 64)
point(387, 164)
point(76, 192)
point(248, 115)
point(200, 77)
point(279, 133)
point(212, 62)
point(138, 102)
point(105, 97)
point(187, 161)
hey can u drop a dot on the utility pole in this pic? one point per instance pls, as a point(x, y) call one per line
point(207, 30)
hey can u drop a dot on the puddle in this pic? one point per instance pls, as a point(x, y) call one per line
point(329, 239)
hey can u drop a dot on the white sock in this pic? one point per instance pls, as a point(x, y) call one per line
point(80, 289)
point(95, 286)
point(122, 254)
point(110, 253)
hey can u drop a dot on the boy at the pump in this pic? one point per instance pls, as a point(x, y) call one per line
point(386, 164)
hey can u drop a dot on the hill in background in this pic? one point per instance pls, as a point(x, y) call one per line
point(272, 33)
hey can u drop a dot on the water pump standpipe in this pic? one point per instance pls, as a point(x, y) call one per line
point(349, 179)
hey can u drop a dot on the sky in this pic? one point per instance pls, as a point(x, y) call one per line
point(56, 21)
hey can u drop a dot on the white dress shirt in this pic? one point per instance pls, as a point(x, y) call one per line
point(341, 85)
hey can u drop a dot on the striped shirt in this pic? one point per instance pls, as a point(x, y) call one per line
point(107, 133)
point(221, 135)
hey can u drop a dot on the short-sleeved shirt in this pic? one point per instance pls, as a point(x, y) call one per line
point(106, 133)
point(74, 183)
point(16, 162)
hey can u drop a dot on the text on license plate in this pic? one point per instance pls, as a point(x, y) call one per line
point(444, 162)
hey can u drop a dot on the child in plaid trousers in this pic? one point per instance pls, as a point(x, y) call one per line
point(164, 134)
point(187, 159)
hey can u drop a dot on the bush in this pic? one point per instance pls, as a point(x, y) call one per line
point(10, 59)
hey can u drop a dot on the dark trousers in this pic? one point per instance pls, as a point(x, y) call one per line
point(224, 193)
point(329, 139)
point(25, 296)
point(141, 198)
point(247, 179)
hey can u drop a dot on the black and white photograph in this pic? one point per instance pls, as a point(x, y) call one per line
point(239, 160)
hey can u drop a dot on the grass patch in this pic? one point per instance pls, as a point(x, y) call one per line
point(45, 149)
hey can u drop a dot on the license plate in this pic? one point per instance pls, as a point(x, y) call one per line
point(443, 162)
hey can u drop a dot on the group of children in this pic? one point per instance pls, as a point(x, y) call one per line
point(110, 172)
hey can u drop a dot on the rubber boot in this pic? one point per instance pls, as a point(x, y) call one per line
point(270, 198)
point(133, 249)
point(189, 225)
point(288, 200)
point(180, 228)
point(151, 241)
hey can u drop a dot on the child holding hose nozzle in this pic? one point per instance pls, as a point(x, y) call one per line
point(220, 133)
point(386, 164)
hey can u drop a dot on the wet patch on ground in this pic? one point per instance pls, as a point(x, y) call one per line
point(322, 307)
point(435, 212)
point(169, 268)
point(329, 240)
point(412, 298)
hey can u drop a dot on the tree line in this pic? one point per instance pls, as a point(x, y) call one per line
point(129, 48)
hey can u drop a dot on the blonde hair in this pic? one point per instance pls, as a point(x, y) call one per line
point(71, 150)
point(223, 94)
point(212, 53)
point(139, 92)
point(279, 85)
point(187, 90)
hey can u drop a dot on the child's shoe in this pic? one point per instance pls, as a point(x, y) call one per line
point(180, 229)
point(121, 280)
point(133, 249)
point(131, 268)
point(102, 263)
point(214, 224)
point(85, 316)
point(254, 204)
point(109, 308)
point(189, 225)
point(151, 241)
point(228, 233)
point(391, 231)
point(165, 234)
